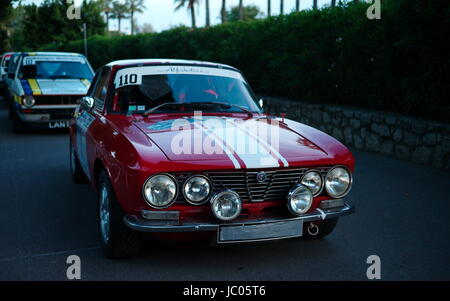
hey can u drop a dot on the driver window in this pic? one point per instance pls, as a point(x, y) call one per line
point(12, 65)
point(101, 88)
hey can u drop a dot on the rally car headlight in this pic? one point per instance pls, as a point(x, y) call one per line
point(226, 205)
point(160, 191)
point(313, 180)
point(196, 190)
point(338, 182)
point(28, 101)
point(299, 199)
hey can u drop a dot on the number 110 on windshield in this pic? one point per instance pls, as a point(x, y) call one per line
point(128, 79)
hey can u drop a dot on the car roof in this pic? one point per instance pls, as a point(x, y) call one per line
point(42, 53)
point(123, 63)
point(7, 54)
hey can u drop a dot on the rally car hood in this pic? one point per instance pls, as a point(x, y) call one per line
point(57, 86)
point(246, 143)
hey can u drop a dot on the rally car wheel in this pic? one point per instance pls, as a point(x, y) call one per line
point(78, 176)
point(319, 230)
point(18, 125)
point(116, 239)
point(10, 110)
point(10, 103)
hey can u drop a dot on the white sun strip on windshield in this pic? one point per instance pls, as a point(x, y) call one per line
point(133, 76)
point(31, 60)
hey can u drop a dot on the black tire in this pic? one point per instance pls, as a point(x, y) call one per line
point(324, 228)
point(76, 171)
point(18, 125)
point(119, 241)
point(6, 95)
point(10, 107)
point(10, 111)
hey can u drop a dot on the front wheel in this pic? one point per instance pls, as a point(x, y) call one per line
point(18, 125)
point(77, 173)
point(116, 239)
point(10, 103)
point(315, 230)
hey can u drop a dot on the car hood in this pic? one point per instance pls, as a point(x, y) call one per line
point(57, 86)
point(246, 143)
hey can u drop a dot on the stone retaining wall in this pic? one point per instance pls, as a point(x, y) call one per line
point(405, 137)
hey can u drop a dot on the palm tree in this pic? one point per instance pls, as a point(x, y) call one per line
point(241, 10)
point(119, 12)
point(106, 6)
point(190, 6)
point(134, 6)
point(315, 4)
point(281, 7)
point(269, 8)
point(223, 11)
point(207, 13)
point(297, 5)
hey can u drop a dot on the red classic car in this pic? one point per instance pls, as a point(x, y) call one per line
point(182, 150)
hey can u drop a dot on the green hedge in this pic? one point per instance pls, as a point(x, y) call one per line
point(335, 55)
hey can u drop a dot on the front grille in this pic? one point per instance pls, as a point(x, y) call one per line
point(54, 114)
point(57, 99)
point(61, 116)
point(275, 187)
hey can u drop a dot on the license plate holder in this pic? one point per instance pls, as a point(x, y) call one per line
point(58, 124)
point(260, 231)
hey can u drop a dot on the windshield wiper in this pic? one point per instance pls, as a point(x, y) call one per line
point(222, 104)
point(159, 106)
point(230, 105)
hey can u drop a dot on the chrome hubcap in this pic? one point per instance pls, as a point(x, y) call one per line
point(104, 214)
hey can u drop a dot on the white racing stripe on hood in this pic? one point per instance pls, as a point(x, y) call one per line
point(237, 143)
point(250, 150)
point(241, 145)
point(272, 150)
point(221, 144)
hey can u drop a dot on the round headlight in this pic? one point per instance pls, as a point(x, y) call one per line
point(226, 205)
point(313, 180)
point(160, 191)
point(28, 101)
point(299, 199)
point(196, 190)
point(338, 182)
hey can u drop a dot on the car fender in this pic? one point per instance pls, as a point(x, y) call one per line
point(118, 155)
point(334, 148)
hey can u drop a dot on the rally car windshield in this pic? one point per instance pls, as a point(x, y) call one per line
point(168, 92)
point(6, 61)
point(55, 70)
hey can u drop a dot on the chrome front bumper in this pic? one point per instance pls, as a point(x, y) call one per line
point(144, 225)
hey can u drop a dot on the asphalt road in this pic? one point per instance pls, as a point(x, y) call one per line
point(403, 216)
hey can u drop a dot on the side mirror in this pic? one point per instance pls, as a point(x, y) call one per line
point(261, 103)
point(87, 103)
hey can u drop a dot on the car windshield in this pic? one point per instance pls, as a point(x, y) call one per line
point(6, 61)
point(157, 93)
point(55, 70)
